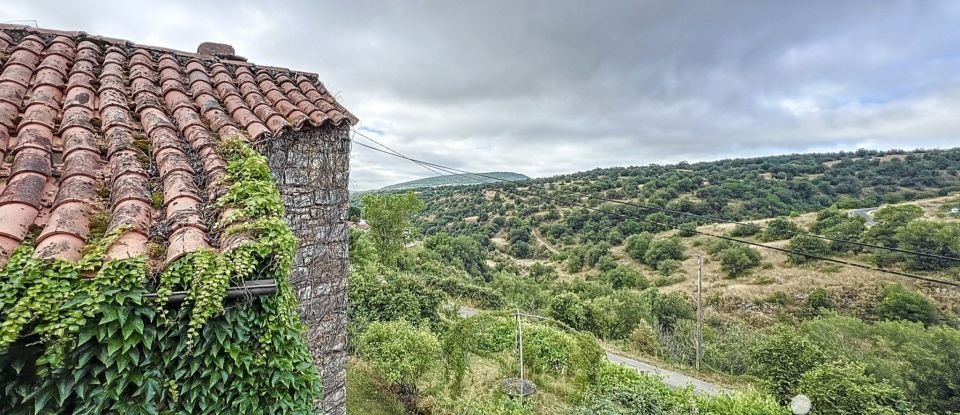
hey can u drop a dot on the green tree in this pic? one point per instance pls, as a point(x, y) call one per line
point(663, 249)
point(461, 251)
point(743, 230)
point(738, 260)
point(401, 355)
point(809, 245)
point(568, 308)
point(941, 238)
point(900, 303)
point(376, 298)
point(624, 277)
point(389, 217)
point(780, 229)
point(668, 309)
point(782, 358)
point(636, 245)
point(844, 388)
point(898, 215)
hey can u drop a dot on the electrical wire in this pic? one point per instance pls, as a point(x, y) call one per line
point(518, 192)
point(716, 219)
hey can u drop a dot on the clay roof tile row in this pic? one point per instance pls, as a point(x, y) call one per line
point(94, 128)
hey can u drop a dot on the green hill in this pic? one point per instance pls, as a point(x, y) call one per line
point(456, 180)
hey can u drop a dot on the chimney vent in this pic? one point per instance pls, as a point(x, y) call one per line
point(220, 50)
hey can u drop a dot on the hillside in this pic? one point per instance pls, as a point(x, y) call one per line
point(457, 179)
point(605, 252)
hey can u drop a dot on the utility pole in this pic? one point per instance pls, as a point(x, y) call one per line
point(520, 347)
point(699, 331)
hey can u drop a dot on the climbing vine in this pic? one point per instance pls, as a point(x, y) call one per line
point(82, 338)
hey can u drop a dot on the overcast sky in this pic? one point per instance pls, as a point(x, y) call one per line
point(550, 87)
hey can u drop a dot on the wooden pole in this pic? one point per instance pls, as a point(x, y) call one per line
point(699, 334)
point(520, 347)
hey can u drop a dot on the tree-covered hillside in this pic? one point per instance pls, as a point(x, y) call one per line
point(735, 189)
point(456, 180)
point(614, 253)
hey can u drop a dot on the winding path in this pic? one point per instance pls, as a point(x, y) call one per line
point(671, 378)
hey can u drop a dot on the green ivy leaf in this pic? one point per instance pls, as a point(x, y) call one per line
point(113, 345)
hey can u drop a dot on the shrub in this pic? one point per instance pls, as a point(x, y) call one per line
point(779, 229)
point(521, 249)
point(668, 309)
point(401, 354)
point(606, 263)
point(929, 236)
point(568, 308)
point(808, 245)
point(819, 299)
point(624, 277)
point(844, 389)
point(782, 358)
point(744, 229)
point(549, 349)
point(667, 267)
point(621, 390)
point(392, 297)
point(662, 250)
point(645, 339)
point(737, 261)
point(637, 245)
point(899, 303)
point(714, 246)
point(741, 403)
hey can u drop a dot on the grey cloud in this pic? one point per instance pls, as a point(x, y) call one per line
point(547, 87)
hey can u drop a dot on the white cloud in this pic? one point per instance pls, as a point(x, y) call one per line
point(501, 85)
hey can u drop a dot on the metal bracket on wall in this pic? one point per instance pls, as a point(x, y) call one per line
point(249, 289)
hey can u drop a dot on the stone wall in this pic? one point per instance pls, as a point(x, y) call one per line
point(312, 170)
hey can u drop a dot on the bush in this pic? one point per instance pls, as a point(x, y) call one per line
point(744, 230)
point(844, 389)
point(521, 249)
point(662, 250)
point(392, 297)
point(619, 390)
point(939, 238)
point(645, 339)
point(899, 303)
point(737, 261)
point(741, 403)
point(668, 309)
point(568, 308)
point(667, 267)
point(919, 360)
point(819, 299)
point(782, 358)
point(714, 246)
point(606, 263)
point(624, 277)
point(779, 229)
point(637, 245)
point(808, 245)
point(400, 352)
point(622, 390)
point(547, 349)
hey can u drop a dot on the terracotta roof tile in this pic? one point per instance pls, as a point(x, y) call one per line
point(92, 126)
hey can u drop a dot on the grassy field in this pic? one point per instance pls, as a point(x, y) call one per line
point(364, 394)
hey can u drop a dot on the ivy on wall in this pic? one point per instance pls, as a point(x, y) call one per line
point(70, 344)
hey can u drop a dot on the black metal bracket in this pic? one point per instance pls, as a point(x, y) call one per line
point(249, 289)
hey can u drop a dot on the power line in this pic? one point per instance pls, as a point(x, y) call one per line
point(713, 218)
point(355, 133)
point(667, 226)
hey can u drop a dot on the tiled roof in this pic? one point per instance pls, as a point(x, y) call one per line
point(78, 113)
